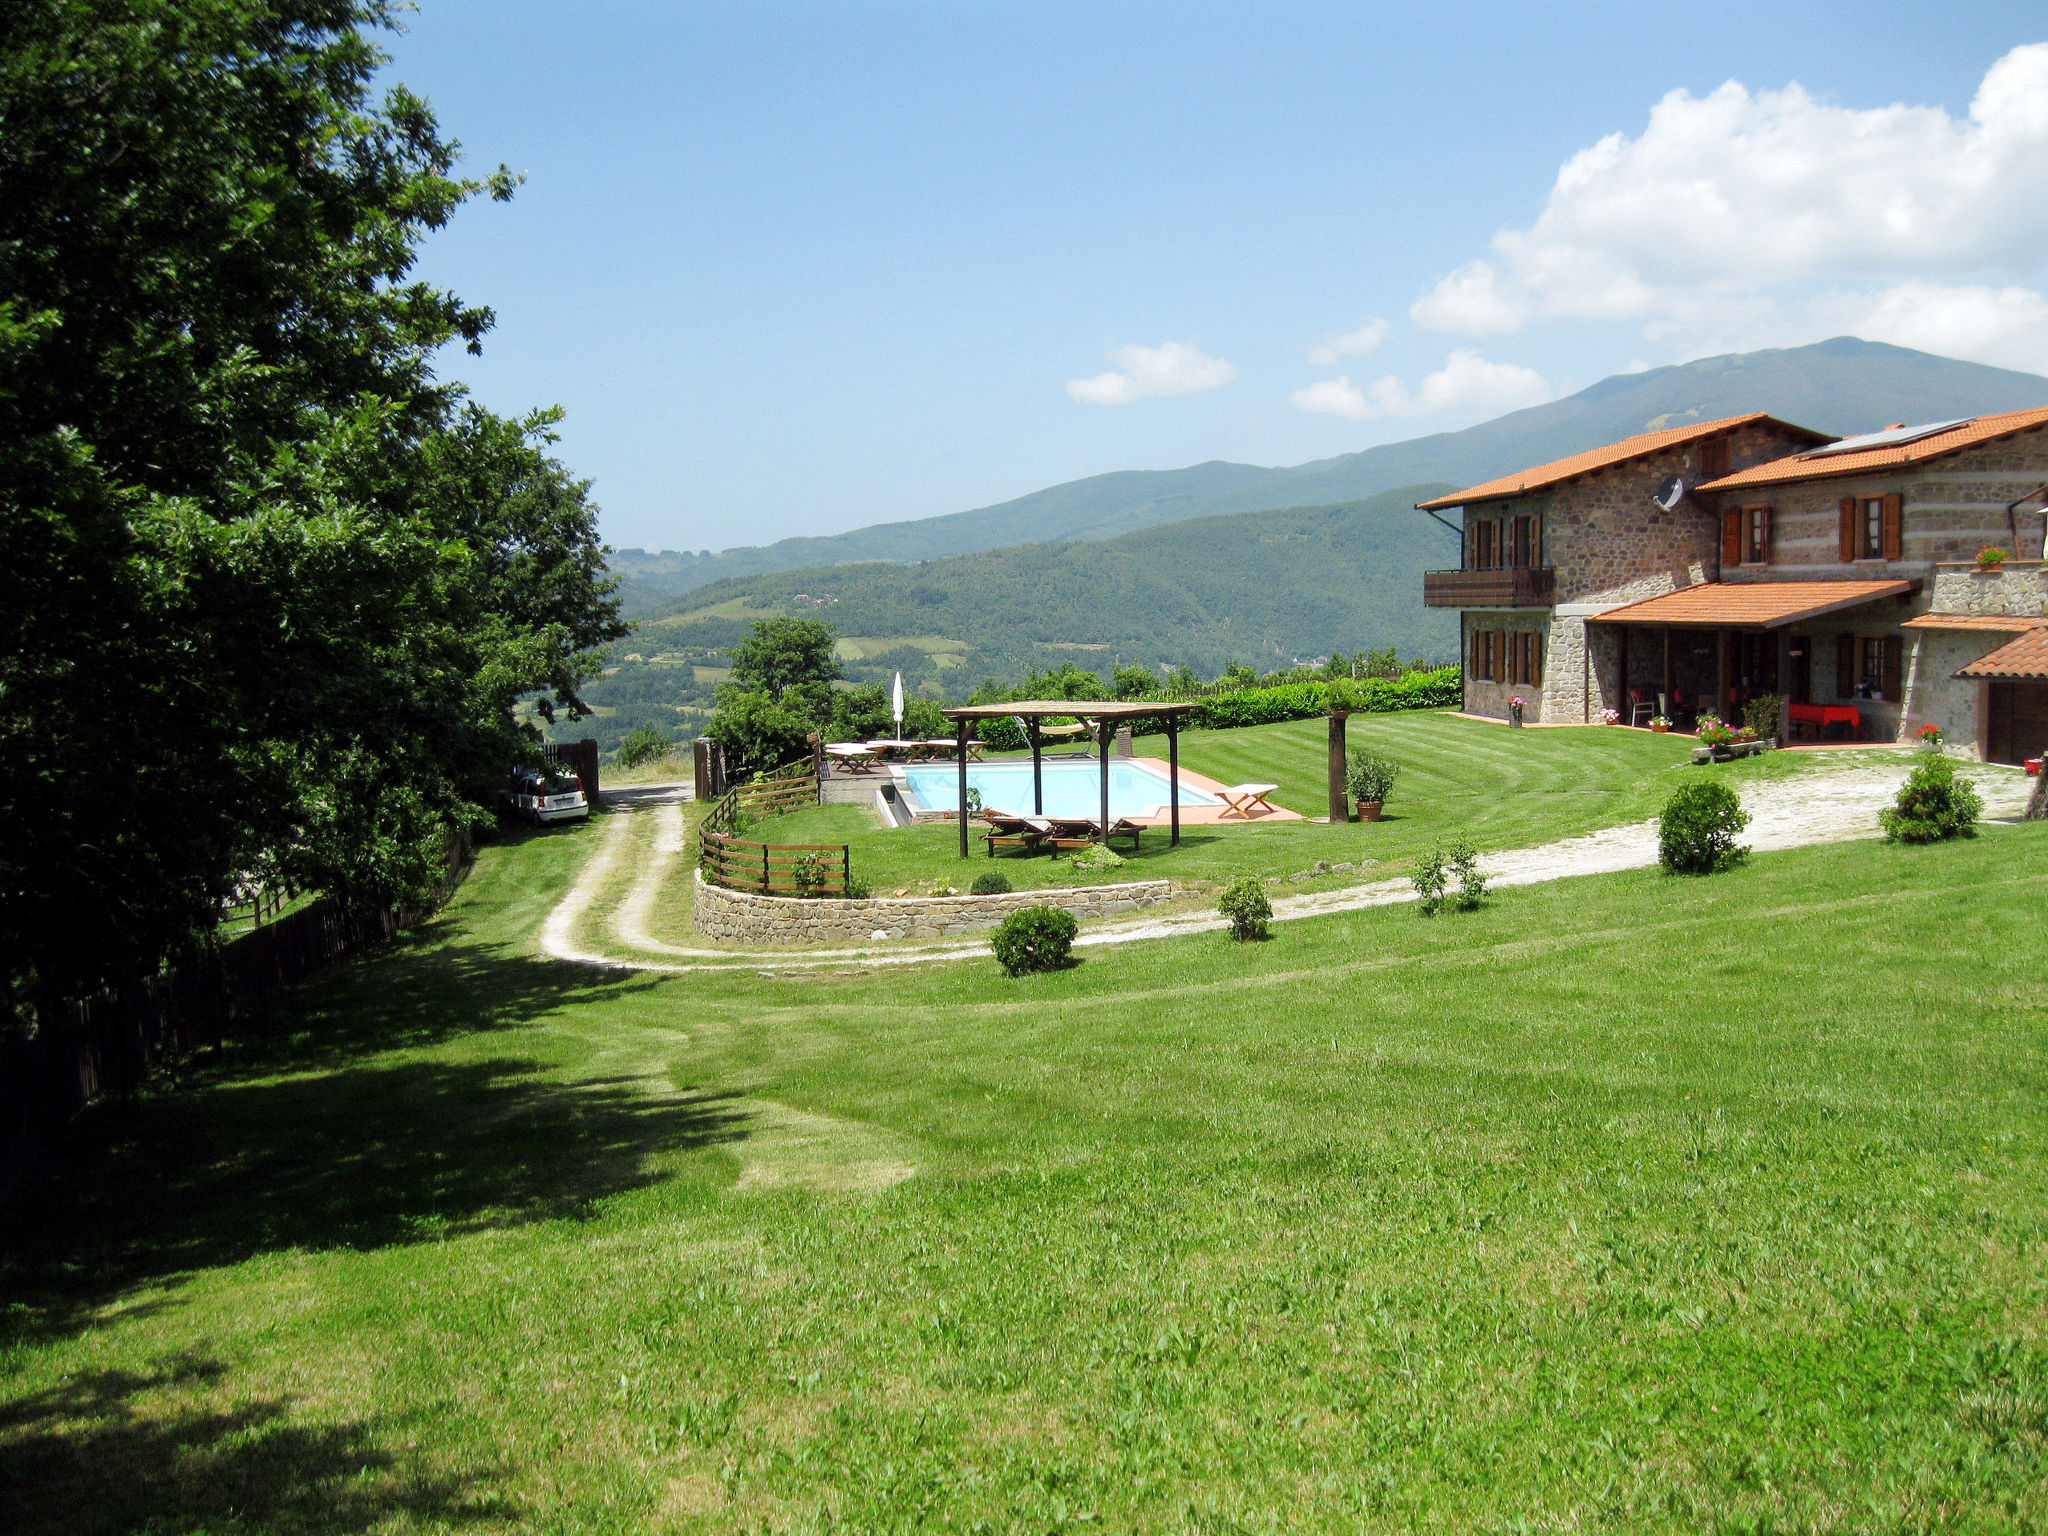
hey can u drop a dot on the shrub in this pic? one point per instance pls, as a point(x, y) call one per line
point(857, 889)
point(643, 744)
point(1762, 715)
point(1099, 860)
point(1435, 871)
point(809, 874)
point(1696, 833)
point(1933, 805)
point(1244, 902)
point(1003, 734)
point(1370, 776)
point(1034, 939)
point(991, 883)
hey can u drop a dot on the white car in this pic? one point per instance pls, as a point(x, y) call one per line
point(540, 800)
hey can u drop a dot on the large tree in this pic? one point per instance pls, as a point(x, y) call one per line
point(272, 590)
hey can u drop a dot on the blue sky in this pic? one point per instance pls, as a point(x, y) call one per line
point(796, 268)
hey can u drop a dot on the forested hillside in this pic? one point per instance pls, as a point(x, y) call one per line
point(1262, 588)
point(1840, 386)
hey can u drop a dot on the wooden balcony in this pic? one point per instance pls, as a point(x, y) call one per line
point(1529, 586)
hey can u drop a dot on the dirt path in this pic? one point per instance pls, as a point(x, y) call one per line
point(1822, 805)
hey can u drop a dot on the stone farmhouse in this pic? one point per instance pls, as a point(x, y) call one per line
point(1695, 569)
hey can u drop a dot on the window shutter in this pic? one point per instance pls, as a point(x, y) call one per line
point(1894, 526)
point(1763, 518)
point(1845, 664)
point(1894, 666)
point(1731, 536)
point(1847, 533)
point(1535, 660)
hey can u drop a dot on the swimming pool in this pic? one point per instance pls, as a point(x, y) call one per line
point(1071, 789)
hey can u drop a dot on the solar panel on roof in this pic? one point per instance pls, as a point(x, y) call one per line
point(1890, 437)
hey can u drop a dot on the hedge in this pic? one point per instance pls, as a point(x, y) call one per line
point(1441, 689)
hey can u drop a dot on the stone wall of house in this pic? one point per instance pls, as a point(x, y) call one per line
point(747, 917)
point(2021, 588)
point(1951, 509)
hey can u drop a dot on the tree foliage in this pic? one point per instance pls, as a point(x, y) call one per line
point(275, 591)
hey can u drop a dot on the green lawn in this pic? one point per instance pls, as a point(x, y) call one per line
point(1625, 1203)
point(1502, 788)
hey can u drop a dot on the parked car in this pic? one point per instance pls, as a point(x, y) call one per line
point(541, 798)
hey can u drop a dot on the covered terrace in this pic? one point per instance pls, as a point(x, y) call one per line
point(1101, 716)
point(1713, 647)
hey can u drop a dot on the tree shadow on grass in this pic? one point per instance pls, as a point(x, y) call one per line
point(355, 1157)
point(418, 991)
point(93, 1456)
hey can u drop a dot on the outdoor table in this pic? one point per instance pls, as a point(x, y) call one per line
point(1824, 715)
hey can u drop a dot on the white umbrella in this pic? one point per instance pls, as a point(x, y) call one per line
point(896, 704)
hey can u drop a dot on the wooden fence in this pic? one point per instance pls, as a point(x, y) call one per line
point(779, 869)
point(776, 869)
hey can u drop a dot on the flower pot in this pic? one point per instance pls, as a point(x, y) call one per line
point(1660, 729)
point(1369, 810)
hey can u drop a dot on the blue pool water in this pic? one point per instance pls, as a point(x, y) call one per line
point(1071, 789)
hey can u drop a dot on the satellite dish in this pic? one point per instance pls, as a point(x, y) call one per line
point(1671, 492)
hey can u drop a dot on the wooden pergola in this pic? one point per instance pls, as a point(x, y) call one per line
point(1102, 714)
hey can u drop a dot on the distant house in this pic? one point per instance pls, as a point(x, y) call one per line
point(1693, 569)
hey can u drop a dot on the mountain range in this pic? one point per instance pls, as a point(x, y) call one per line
point(1840, 386)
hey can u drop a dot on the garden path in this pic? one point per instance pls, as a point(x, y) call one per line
point(1817, 805)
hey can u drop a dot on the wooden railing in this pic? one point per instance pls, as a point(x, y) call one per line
point(778, 869)
point(1513, 587)
point(774, 869)
point(787, 788)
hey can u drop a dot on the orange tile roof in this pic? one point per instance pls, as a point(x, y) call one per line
point(1769, 603)
point(2007, 622)
point(1526, 480)
point(2024, 657)
point(1826, 466)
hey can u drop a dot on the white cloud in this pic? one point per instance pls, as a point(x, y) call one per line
point(1750, 214)
point(1142, 372)
point(1366, 338)
point(1466, 385)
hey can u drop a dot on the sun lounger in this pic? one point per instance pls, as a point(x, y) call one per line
point(1071, 834)
point(1009, 830)
point(1248, 799)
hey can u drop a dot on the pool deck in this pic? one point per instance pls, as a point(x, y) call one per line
point(1205, 815)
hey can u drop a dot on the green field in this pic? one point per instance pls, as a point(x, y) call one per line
point(1625, 1203)
point(1504, 789)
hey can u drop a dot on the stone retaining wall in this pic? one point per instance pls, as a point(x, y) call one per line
point(747, 917)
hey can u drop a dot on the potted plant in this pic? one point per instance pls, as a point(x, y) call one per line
point(1715, 734)
point(1515, 707)
point(1610, 716)
point(1929, 737)
point(1370, 779)
point(1991, 558)
point(1660, 723)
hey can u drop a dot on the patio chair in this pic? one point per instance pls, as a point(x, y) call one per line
point(1640, 706)
point(1247, 799)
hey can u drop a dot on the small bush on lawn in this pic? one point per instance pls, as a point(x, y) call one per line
point(1034, 939)
point(1436, 870)
point(1696, 834)
point(991, 883)
point(1933, 805)
point(1098, 860)
point(1244, 902)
